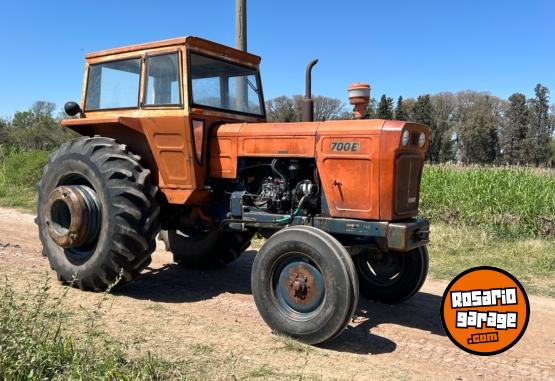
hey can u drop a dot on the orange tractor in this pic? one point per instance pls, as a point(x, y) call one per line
point(175, 142)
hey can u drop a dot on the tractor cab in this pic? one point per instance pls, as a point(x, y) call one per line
point(181, 76)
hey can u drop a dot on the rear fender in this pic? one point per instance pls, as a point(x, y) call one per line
point(127, 131)
point(132, 132)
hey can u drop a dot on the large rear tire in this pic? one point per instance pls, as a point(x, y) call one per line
point(392, 277)
point(121, 240)
point(302, 284)
point(205, 250)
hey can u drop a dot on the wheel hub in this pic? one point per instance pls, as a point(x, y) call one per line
point(301, 287)
point(383, 269)
point(72, 215)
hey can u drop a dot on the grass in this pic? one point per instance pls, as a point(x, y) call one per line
point(44, 336)
point(454, 249)
point(507, 202)
point(202, 349)
point(503, 217)
point(35, 344)
point(257, 241)
point(264, 372)
point(19, 174)
point(292, 345)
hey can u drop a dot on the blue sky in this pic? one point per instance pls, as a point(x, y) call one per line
point(400, 47)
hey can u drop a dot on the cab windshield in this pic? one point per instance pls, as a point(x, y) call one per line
point(225, 86)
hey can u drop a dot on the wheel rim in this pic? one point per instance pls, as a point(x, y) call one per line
point(383, 269)
point(73, 217)
point(298, 286)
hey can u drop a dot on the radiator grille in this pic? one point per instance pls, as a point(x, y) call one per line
point(408, 169)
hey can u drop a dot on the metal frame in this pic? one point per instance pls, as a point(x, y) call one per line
point(403, 235)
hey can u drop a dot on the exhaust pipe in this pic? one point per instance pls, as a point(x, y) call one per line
point(308, 103)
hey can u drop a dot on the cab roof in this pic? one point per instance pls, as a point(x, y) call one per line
point(189, 41)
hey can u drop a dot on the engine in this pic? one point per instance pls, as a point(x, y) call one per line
point(281, 186)
point(273, 195)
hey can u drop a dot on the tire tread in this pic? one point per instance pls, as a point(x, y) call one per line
point(134, 209)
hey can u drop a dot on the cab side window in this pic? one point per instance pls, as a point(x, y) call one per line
point(162, 80)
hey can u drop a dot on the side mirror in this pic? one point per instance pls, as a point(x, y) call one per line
point(72, 108)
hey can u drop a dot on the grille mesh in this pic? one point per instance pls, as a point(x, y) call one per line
point(408, 169)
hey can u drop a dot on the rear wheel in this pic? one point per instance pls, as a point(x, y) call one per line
point(97, 213)
point(302, 284)
point(392, 277)
point(205, 249)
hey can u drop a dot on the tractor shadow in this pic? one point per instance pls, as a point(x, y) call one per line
point(175, 284)
point(420, 312)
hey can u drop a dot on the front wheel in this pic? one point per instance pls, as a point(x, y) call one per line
point(304, 284)
point(392, 277)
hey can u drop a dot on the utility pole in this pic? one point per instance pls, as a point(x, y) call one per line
point(241, 25)
point(241, 44)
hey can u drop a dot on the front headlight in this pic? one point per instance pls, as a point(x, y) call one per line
point(421, 140)
point(405, 138)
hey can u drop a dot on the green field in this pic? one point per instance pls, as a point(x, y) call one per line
point(506, 202)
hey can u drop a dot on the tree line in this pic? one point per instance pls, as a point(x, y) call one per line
point(468, 127)
point(35, 128)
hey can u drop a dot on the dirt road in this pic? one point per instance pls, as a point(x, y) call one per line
point(170, 310)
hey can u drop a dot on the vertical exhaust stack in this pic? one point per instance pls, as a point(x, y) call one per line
point(359, 97)
point(308, 103)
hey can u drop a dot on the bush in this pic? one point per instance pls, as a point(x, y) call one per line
point(510, 202)
point(36, 128)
